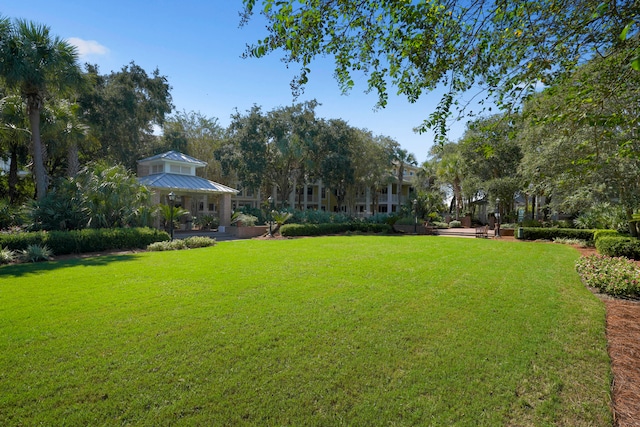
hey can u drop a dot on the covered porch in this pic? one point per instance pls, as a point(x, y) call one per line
point(199, 196)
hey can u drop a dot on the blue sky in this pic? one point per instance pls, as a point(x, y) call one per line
point(197, 44)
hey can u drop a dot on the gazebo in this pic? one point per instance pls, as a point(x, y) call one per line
point(176, 172)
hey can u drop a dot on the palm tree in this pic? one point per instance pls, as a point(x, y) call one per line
point(65, 132)
point(402, 157)
point(35, 63)
point(449, 170)
point(14, 138)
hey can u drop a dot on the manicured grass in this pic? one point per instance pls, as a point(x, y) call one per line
point(357, 330)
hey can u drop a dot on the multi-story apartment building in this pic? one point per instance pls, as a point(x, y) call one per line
point(318, 196)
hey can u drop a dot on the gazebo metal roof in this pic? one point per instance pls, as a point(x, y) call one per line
point(190, 183)
point(174, 156)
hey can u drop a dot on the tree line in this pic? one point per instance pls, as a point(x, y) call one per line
point(57, 116)
point(576, 143)
point(567, 73)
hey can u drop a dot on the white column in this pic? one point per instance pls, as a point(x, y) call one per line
point(304, 192)
point(224, 209)
point(367, 202)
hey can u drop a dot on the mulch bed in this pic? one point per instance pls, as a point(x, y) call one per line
point(623, 338)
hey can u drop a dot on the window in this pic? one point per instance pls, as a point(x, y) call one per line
point(182, 170)
point(157, 169)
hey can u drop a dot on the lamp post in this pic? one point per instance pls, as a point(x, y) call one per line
point(172, 199)
point(415, 216)
point(270, 200)
point(497, 217)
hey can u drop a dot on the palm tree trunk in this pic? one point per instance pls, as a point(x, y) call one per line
point(13, 176)
point(37, 152)
point(400, 180)
point(73, 165)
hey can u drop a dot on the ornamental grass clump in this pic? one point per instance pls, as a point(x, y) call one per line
point(36, 253)
point(568, 241)
point(613, 276)
point(6, 255)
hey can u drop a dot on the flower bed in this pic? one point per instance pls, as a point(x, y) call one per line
point(613, 276)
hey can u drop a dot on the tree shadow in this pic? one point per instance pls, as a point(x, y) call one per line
point(20, 270)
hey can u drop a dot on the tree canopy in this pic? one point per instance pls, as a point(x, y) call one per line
point(504, 47)
point(35, 64)
point(122, 109)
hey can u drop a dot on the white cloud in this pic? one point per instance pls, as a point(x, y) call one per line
point(88, 47)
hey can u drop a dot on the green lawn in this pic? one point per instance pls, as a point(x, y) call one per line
point(356, 331)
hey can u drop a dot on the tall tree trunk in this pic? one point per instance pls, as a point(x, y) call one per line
point(633, 229)
point(37, 151)
point(73, 165)
point(13, 176)
point(400, 181)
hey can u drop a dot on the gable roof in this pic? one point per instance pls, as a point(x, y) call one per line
point(174, 156)
point(190, 183)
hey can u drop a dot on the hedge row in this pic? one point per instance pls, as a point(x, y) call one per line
point(291, 230)
point(619, 246)
point(536, 233)
point(81, 241)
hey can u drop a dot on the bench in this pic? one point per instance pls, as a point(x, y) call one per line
point(482, 232)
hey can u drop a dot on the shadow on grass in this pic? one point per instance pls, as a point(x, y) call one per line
point(18, 270)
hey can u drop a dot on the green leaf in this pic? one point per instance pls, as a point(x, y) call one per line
point(635, 63)
point(623, 34)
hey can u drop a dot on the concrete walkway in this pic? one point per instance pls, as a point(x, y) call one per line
point(462, 232)
point(219, 236)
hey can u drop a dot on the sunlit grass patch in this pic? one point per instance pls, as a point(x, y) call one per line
point(358, 330)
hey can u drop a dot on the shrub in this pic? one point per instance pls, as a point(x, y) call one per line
point(292, 230)
point(6, 255)
point(619, 246)
point(35, 253)
point(188, 243)
point(20, 241)
point(11, 216)
point(100, 196)
point(88, 240)
point(603, 215)
point(378, 218)
point(160, 246)
point(243, 220)
point(440, 225)
point(199, 242)
point(455, 224)
point(538, 233)
point(405, 221)
point(602, 233)
point(207, 222)
point(568, 241)
point(614, 276)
